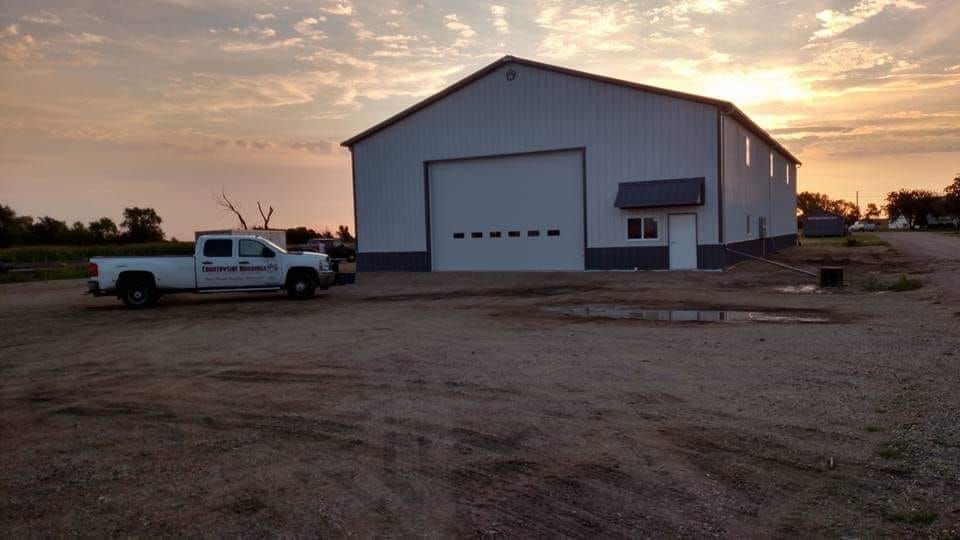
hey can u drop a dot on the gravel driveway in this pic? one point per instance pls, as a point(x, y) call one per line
point(933, 245)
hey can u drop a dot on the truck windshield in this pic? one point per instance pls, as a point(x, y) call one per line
point(272, 245)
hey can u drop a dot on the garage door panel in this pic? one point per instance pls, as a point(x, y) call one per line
point(541, 193)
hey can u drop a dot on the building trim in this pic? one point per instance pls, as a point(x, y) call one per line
point(393, 261)
point(726, 106)
point(628, 258)
point(583, 178)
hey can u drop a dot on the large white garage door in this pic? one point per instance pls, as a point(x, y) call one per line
point(520, 212)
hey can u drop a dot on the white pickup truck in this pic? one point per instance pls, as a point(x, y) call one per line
point(221, 263)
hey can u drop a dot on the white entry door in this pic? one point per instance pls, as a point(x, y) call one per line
point(682, 232)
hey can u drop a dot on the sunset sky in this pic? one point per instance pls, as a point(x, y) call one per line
point(162, 103)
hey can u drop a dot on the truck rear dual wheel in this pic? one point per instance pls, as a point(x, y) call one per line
point(301, 285)
point(138, 293)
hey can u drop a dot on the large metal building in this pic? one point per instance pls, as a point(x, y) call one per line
point(529, 166)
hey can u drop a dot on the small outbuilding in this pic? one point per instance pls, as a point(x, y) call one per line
point(529, 166)
point(823, 224)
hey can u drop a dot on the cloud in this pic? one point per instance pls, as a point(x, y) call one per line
point(262, 46)
point(577, 29)
point(454, 23)
point(834, 22)
point(43, 17)
point(19, 50)
point(264, 16)
point(215, 93)
point(307, 25)
point(9, 30)
point(314, 147)
point(498, 18)
point(338, 8)
point(262, 33)
point(86, 38)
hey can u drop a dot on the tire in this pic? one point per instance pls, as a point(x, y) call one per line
point(301, 285)
point(138, 293)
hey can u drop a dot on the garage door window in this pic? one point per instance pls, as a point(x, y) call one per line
point(533, 233)
point(494, 234)
point(458, 235)
point(476, 235)
point(514, 234)
point(645, 228)
point(553, 232)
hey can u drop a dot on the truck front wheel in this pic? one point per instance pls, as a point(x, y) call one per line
point(138, 293)
point(301, 285)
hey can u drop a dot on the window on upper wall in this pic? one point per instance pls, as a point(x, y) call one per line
point(771, 164)
point(787, 174)
point(643, 228)
point(748, 225)
point(747, 155)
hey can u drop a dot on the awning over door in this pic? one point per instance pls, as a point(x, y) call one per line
point(654, 193)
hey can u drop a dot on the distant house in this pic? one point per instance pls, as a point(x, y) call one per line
point(898, 223)
point(823, 224)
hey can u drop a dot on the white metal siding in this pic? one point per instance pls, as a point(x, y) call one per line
point(539, 192)
point(750, 190)
point(628, 135)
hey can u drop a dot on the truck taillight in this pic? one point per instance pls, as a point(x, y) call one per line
point(92, 268)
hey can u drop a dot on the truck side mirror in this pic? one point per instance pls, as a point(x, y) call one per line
point(268, 253)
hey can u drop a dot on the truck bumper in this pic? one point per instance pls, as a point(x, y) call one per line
point(93, 287)
point(326, 279)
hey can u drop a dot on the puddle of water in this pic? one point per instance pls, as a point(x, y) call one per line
point(800, 289)
point(684, 315)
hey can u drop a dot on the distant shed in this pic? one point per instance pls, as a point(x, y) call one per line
point(823, 224)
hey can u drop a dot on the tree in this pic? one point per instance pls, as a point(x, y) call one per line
point(141, 225)
point(343, 233)
point(300, 235)
point(913, 205)
point(811, 203)
point(872, 211)
point(47, 230)
point(224, 202)
point(14, 230)
point(103, 230)
point(79, 234)
point(951, 204)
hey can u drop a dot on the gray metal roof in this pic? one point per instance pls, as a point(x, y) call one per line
point(656, 193)
point(725, 107)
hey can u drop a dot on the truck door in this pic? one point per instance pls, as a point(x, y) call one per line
point(217, 266)
point(258, 265)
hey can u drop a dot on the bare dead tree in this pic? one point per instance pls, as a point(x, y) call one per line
point(266, 217)
point(224, 202)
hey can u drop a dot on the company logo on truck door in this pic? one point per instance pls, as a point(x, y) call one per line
point(269, 267)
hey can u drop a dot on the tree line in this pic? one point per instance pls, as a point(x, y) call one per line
point(138, 225)
point(915, 205)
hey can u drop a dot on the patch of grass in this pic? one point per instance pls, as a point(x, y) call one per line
point(874, 284)
point(910, 517)
point(871, 428)
point(892, 449)
point(37, 254)
point(858, 240)
point(905, 284)
point(43, 274)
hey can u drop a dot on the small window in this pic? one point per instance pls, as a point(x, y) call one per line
point(533, 233)
point(747, 156)
point(748, 225)
point(787, 173)
point(771, 164)
point(458, 235)
point(252, 248)
point(494, 234)
point(514, 234)
point(553, 232)
point(218, 248)
point(476, 235)
point(646, 228)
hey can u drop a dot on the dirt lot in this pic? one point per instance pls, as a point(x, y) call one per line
point(455, 405)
